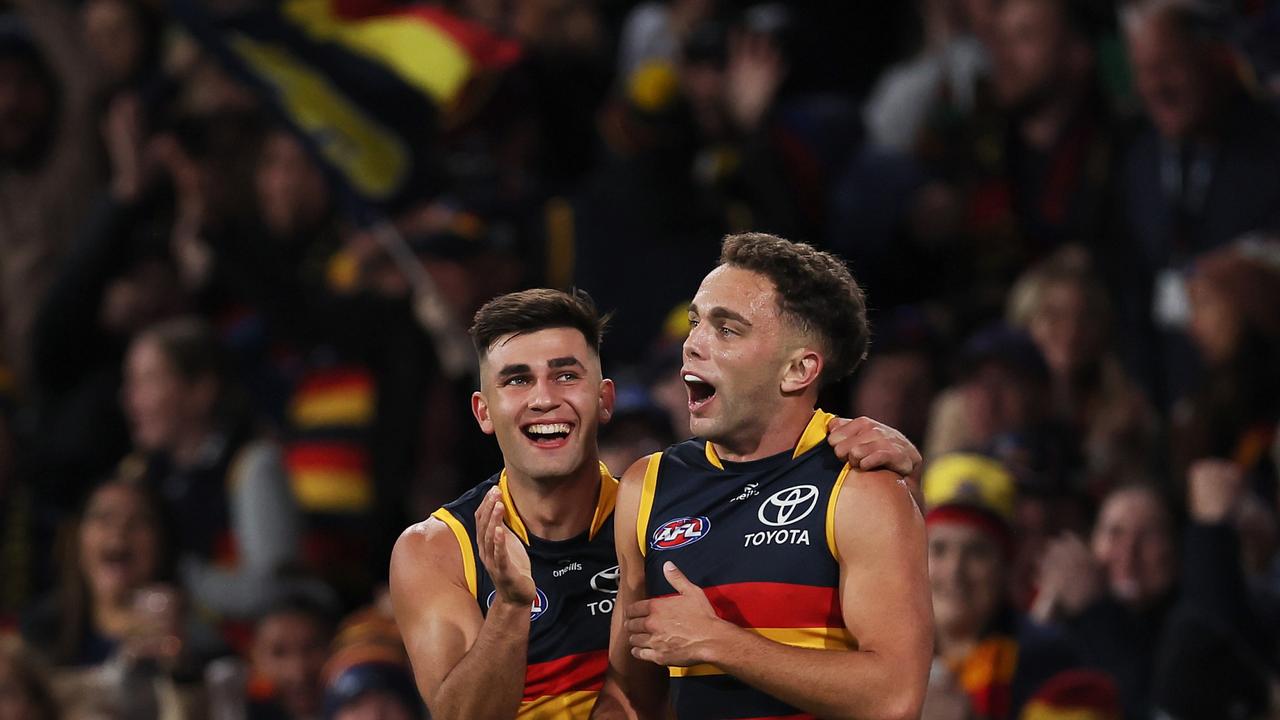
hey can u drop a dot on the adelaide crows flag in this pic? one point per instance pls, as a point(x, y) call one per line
point(367, 84)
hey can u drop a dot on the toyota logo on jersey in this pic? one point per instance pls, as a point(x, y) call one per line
point(788, 506)
point(677, 533)
point(535, 611)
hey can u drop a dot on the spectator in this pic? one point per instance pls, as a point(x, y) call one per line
point(942, 78)
point(1234, 294)
point(48, 153)
point(368, 676)
point(1062, 304)
point(1205, 171)
point(1002, 378)
point(989, 660)
point(897, 383)
point(120, 547)
point(1115, 595)
point(287, 653)
point(224, 483)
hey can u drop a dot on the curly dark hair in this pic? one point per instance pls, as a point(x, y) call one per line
point(815, 291)
point(528, 311)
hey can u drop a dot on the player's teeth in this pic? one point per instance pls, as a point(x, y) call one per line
point(692, 378)
point(549, 428)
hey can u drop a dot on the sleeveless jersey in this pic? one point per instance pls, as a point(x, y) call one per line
point(577, 583)
point(758, 538)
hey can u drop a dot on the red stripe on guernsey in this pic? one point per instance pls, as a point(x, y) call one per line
point(776, 605)
point(584, 671)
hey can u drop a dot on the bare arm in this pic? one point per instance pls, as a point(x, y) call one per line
point(885, 600)
point(467, 665)
point(632, 688)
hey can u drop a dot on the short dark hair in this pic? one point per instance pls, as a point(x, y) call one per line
point(528, 311)
point(815, 291)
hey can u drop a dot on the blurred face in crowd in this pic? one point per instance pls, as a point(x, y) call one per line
point(1031, 43)
point(1062, 328)
point(26, 106)
point(542, 395)
point(896, 389)
point(997, 400)
point(289, 649)
point(292, 194)
point(735, 356)
point(375, 705)
point(703, 83)
point(119, 543)
point(114, 36)
point(1214, 325)
point(1134, 543)
point(162, 405)
point(1171, 76)
point(966, 576)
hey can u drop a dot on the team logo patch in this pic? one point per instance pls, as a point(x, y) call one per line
point(606, 581)
point(677, 533)
point(788, 506)
point(535, 611)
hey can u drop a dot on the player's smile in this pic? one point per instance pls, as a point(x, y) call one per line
point(548, 434)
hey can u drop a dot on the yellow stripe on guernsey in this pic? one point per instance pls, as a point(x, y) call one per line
point(565, 706)
point(819, 638)
point(646, 500)
point(604, 504)
point(831, 512)
point(814, 433)
point(424, 56)
point(464, 544)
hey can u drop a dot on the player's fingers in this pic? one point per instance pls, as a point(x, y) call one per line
point(637, 625)
point(677, 579)
point(638, 609)
point(886, 459)
point(640, 640)
point(647, 654)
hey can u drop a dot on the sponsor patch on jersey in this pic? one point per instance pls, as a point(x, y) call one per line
point(679, 532)
point(535, 611)
point(606, 581)
point(788, 506)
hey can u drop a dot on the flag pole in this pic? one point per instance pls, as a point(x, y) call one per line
point(432, 310)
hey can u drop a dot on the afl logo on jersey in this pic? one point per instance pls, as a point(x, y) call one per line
point(788, 506)
point(535, 611)
point(677, 533)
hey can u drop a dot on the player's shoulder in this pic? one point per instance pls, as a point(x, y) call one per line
point(875, 496)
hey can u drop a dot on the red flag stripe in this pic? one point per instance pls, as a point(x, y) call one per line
point(355, 379)
point(336, 457)
point(584, 671)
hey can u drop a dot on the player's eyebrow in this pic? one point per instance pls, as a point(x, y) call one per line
point(726, 314)
point(509, 370)
point(567, 361)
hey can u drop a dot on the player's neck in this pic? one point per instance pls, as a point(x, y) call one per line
point(777, 431)
point(557, 508)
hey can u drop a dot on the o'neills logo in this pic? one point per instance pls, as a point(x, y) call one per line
point(677, 533)
point(535, 611)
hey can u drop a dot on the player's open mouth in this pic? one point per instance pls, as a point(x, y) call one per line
point(548, 435)
point(701, 392)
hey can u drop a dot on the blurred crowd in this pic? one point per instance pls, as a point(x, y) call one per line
point(219, 404)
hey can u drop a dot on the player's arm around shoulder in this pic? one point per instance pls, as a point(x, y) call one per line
point(884, 583)
point(434, 607)
point(633, 688)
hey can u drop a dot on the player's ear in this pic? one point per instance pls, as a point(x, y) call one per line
point(803, 370)
point(480, 409)
point(608, 395)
